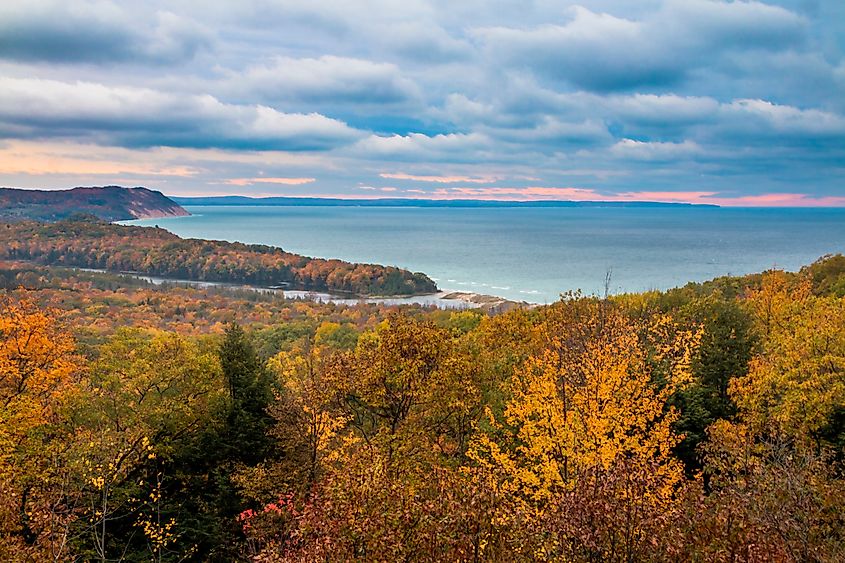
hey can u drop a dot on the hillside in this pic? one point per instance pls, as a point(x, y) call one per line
point(89, 243)
point(689, 425)
point(110, 203)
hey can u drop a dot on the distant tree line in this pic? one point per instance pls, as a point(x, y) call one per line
point(90, 243)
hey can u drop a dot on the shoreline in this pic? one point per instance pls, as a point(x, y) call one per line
point(486, 302)
point(442, 299)
point(470, 299)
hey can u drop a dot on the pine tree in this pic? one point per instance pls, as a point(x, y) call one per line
point(250, 393)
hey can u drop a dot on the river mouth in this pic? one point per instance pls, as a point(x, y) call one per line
point(441, 299)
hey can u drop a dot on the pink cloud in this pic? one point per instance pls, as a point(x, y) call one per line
point(676, 197)
point(534, 193)
point(440, 179)
point(263, 180)
point(781, 200)
point(43, 159)
point(538, 193)
point(762, 200)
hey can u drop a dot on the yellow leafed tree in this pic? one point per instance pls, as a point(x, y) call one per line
point(797, 382)
point(306, 409)
point(595, 394)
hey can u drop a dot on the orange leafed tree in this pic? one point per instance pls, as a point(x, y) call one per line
point(37, 363)
point(36, 360)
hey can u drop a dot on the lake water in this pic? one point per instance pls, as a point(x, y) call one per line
point(534, 254)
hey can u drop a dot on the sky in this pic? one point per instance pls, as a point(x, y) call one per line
point(702, 101)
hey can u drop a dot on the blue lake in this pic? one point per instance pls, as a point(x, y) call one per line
point(534, 254)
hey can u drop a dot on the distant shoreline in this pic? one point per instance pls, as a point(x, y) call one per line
point(442, 299)
point(534, 255)
point(403, 202)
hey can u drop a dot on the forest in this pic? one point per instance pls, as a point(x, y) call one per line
point(167, 423)
point(109, 203)
point(87, 242)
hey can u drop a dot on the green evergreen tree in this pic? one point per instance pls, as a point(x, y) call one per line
point(250, 392)
point(727, 345)
point(237, 436)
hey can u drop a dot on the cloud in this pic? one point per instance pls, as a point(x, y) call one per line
point(424, 42)
point(418, 146)
point(552, 133)
point(535, 193)
point(766, 116)
point(439, 179)
point(264, 180)
point(660, 109)
point(760, 200)
point(408, 30)
point(526, 193)
point(141, 117)
point(780, 200)
point(738, 99)
point(97, 32)
point(641, 150)
point(602, 52)
point(326, 79)
point(27, 158)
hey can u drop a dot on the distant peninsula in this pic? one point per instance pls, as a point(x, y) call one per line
point(86, 242)
point(403, 202)
point(109, 203)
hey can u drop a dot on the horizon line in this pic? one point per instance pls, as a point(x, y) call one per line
point(699, 199)
point(351, 198)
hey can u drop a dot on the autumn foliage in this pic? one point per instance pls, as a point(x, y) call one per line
point(153, 251)
point(700, 424)
point(37, 376)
